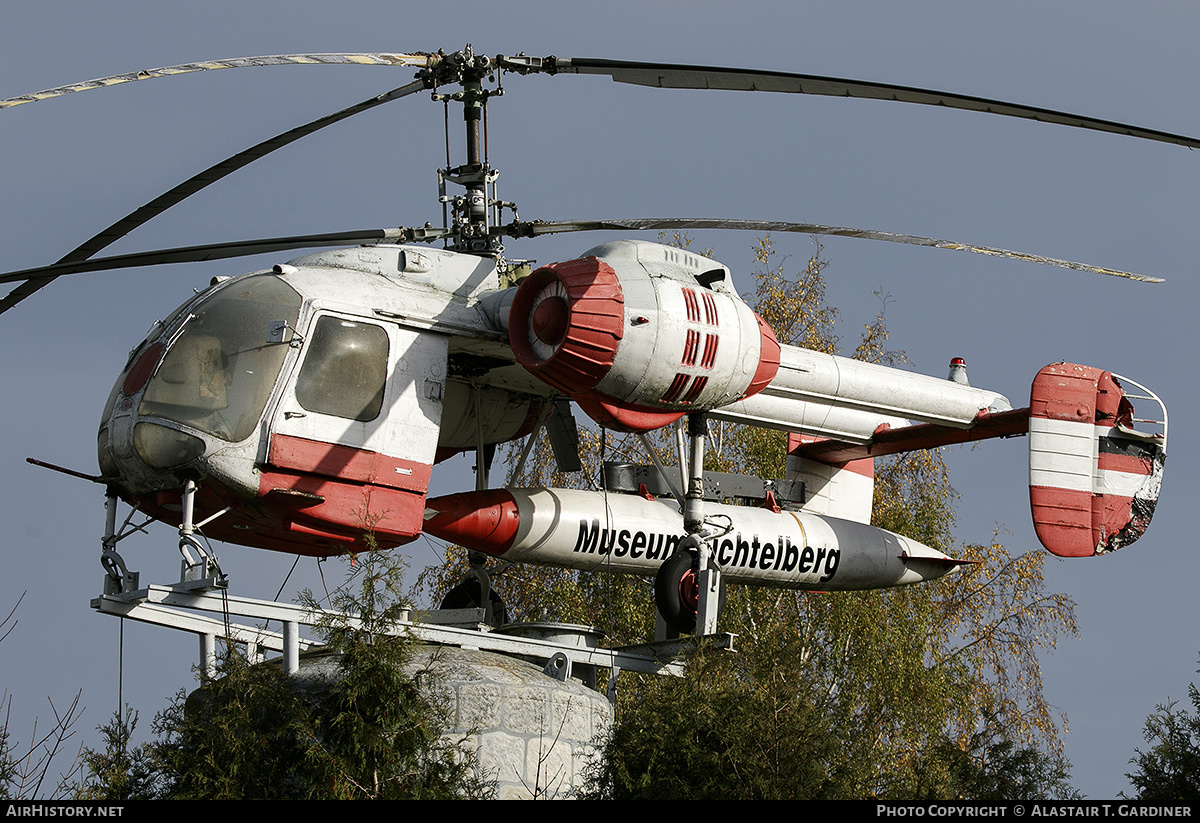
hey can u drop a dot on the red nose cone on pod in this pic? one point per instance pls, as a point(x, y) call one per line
point(485, 521)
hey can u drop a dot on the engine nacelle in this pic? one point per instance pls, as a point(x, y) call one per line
point(639, 334)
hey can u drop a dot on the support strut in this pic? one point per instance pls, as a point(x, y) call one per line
point(704, 575)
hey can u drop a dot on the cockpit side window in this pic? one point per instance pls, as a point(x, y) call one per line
point(345, 369)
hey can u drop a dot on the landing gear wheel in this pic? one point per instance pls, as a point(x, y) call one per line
point(467, 595)
point(676, 593)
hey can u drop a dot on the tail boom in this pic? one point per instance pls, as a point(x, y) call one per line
point(1094, 479)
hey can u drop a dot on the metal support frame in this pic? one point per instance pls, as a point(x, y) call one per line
point(119, 578)
point(202, 571)
point(203, 587)
point(171, 606)
point(199, 568)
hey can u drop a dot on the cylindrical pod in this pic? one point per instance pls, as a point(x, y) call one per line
point(632, 535)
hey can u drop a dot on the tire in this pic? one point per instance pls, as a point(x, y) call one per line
point(675, 593)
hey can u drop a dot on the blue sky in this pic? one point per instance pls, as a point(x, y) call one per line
point(572, 147)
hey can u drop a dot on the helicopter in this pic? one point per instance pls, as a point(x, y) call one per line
point(286, 409)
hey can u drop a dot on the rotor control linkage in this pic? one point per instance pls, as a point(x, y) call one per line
point(471, 225)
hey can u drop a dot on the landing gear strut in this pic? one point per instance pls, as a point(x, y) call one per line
point(688, 590)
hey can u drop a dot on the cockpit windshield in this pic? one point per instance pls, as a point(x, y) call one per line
point(219, 370)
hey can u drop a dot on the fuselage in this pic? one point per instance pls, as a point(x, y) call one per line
point(311, 401)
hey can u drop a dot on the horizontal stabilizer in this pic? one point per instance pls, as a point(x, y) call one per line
point(887, 441)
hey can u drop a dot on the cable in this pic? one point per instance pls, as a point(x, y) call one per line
point(121, 667)
point(287, 578)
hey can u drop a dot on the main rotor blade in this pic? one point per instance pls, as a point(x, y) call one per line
point(197, 182)
point(670, 76)
point(371, 59)
point(679, 224)
point(222, 251)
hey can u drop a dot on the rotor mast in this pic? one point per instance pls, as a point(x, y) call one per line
point(475, 213)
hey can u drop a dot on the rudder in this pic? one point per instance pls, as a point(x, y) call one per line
point(1094, 480)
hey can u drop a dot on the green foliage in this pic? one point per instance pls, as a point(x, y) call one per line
point(718, 735)
point(794, 308)
point(240, 737)
point(8, 765)
point(1170, 769)
point(380, 737)
point(377, 735)
point(993, 767)
point(119, 773)
point(366, 730)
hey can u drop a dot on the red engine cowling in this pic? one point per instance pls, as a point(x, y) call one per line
point(639, 334)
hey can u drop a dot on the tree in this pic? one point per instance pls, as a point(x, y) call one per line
point(119, 773)
point(720, 735)
point(377, 734)
point(898, 672)
point(1170, 768)
point(991, 767)
point(241, 736)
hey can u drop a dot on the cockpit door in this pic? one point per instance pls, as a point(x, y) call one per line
point(358, 420)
